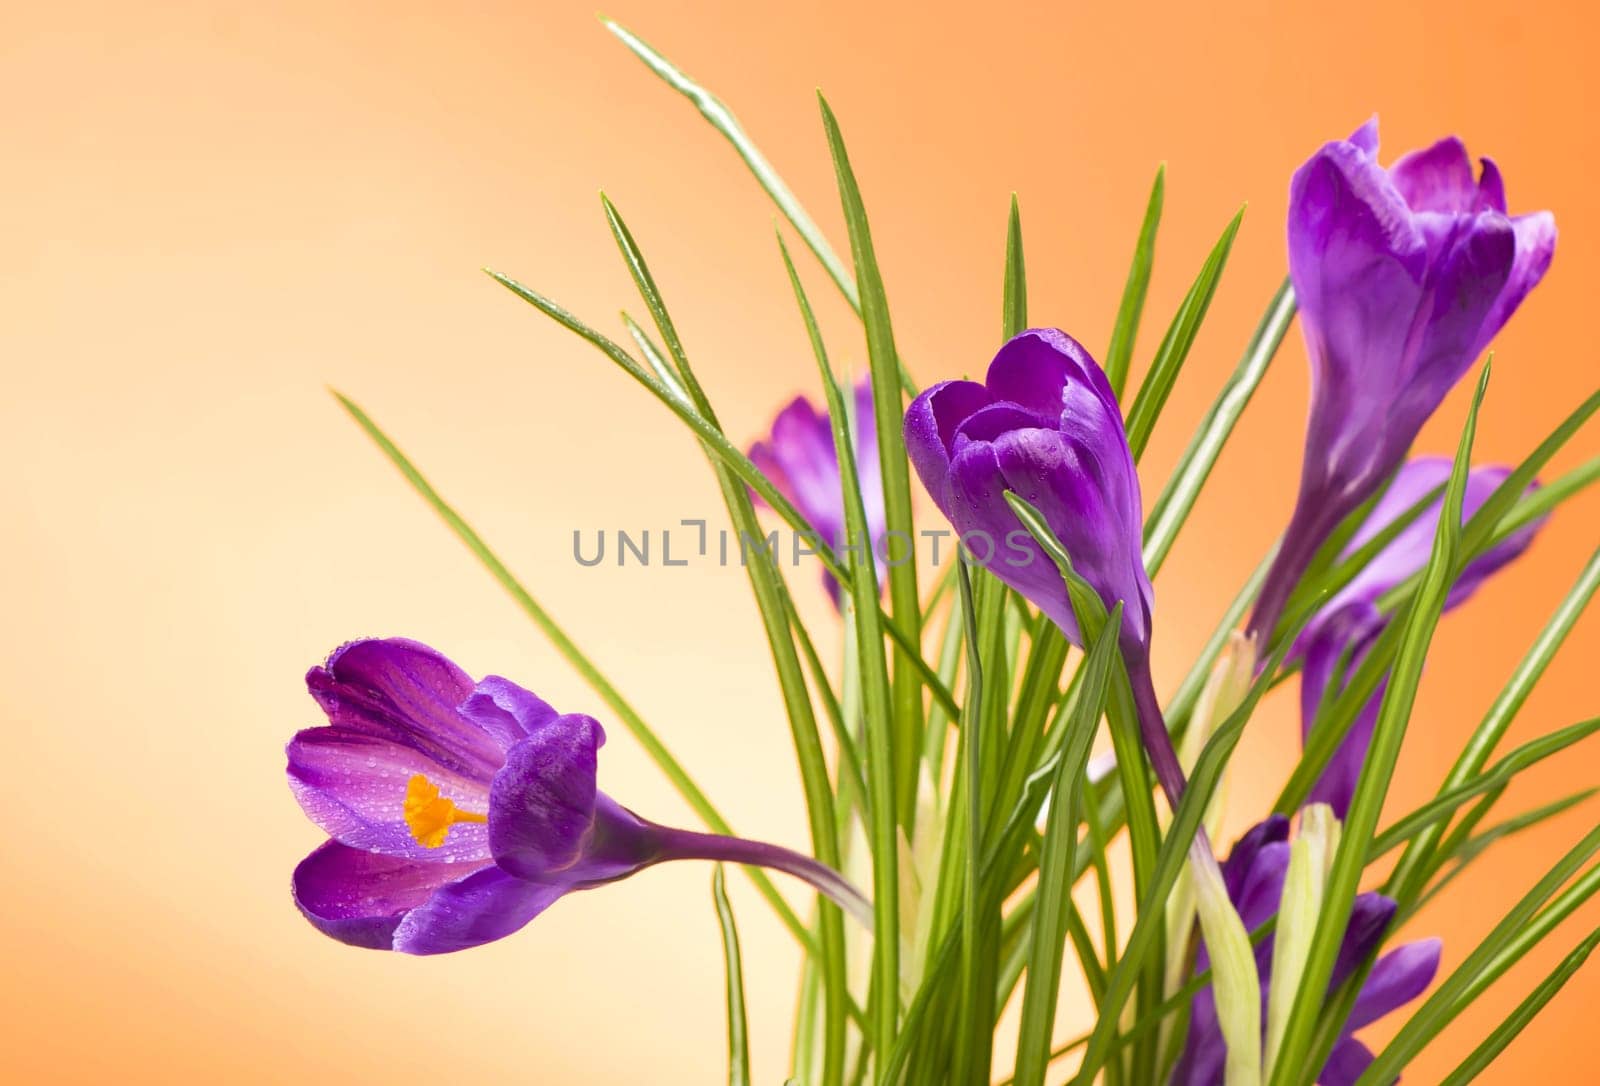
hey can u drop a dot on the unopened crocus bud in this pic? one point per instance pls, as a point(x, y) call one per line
point(1045, 425)
point(1403, 275)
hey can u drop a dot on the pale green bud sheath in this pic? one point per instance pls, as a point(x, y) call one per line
point(1234, 979)
point(1310, 856)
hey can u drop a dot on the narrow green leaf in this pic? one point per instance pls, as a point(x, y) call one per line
point(1530, 507)
point(723, 120)
point(777, 618)
point(1150, 916)
point(717, 442)
point(876, 693)
point(1177, 498)
point(1295, 1055)
point(1126, 329)
point(1514, 1023)
point(1054, 909)
point(1014, 303)
point(1480, 529)
point(738, 1041)
point(1414, 866)
point(1475, 845)
point(1518, 932)
point(1442, 806)
point(642, 733)
point(1175, 345)
point(889, 411)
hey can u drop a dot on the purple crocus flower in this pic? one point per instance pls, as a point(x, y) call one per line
point(459, 811)
point(1046, 426)
point(1254, 874)
point(801, 461)
point(1403, 276)
point(1349, 622)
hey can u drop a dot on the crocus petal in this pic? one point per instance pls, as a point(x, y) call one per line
point(1535, 248)
point(352, 784)
point(1346, 1063)
point(1491, 187)
point(1465, 282)
point(974, 500)
point(1086, 505)
point(1437, 178)
point(1369, 920)
point(505, 710)
point(1242, 857)
point(1366, 137)
point(1343, 636)
point(1399, 977)
point(360, 897)
point(1204, 1051)
point(542, 803)
point(1039, 368)
point(405, 692)
point(486, 905)
point(930, 428)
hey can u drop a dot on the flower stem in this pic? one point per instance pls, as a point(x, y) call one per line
point(688, 845)
point(1153, 730)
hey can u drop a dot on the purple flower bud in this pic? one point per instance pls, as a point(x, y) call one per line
point(459, 811)
point(1254, 874)
point(1045, 425)
point(1403, 276)
point(800, 460)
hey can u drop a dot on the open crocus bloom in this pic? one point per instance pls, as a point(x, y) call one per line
point(1403, 275)
point(460, 810)
point(1254, 875)
point(800, 459)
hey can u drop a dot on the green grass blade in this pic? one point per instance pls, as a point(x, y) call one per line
point(778, 620)
point(876, 694)
point(1175, 345)
point(1119, 353)
point(723, 120)
point(1514, 1023)
point(1442, 806)
point(1053, 912)
point(1416, 863)
point(1014, 300)
point(889, 411)
point(641, 732)
point(1150, 916)
point(738, 1039)
point(1473, 846)
point(1481, 528)
point(1177, 498)
point(1361, 821)
point(1517, 933)
point(1544, 500)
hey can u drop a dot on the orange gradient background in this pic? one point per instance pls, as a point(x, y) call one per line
point(210, 211)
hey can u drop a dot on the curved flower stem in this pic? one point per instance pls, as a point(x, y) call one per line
point(1153, 730)
point(689, 845)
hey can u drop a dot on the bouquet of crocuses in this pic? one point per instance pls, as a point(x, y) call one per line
point(954, 803)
